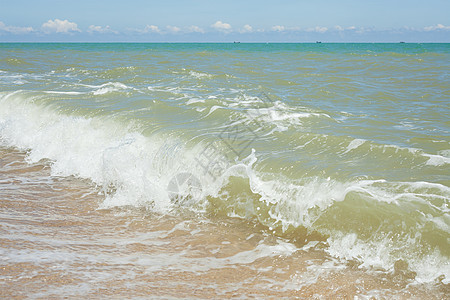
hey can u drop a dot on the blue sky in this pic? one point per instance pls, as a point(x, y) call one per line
point(224, 21)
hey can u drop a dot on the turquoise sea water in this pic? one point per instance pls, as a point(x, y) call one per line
point(345, 145)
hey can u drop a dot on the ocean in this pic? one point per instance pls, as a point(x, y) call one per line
point(228, 170)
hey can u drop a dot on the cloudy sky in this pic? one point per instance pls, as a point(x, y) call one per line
point(226, 20)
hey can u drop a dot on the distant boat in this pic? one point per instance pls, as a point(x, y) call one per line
point(402, 42)
point(318, 42)
point(236, 42)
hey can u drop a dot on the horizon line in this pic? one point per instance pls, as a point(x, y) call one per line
point(213, 42)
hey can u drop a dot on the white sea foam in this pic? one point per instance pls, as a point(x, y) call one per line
point(101, 150)
point(133, 169)
point(63, 93)
point(195, 100)
point(312, 274)
point(440, 159)
point(354, 144)
point(380, 253)
point(18, 79)
point(281, 114)
point(213, 109)
point(304, 203)
point(109, 87)
point(105, 88)
point(199, 75)
point(437, 160)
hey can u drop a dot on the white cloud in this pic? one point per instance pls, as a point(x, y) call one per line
point(278, 28)
point(15, 29)
point(317, 29)
point(221, 26)
point(58, 26)
point(246, 28)
point(437, 27)
point(340, 28)
point(100, 29)
point(152, 28)
point(173, 29)
point(194, 28)
point(147, 29)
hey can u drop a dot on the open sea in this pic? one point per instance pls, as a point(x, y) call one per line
point(226, 170)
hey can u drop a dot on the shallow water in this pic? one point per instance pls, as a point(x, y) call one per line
point(219, 170)
point(55, 242)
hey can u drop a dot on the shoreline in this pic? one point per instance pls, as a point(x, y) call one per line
point(56, 242)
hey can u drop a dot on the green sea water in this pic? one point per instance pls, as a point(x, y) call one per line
point(342, 145)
